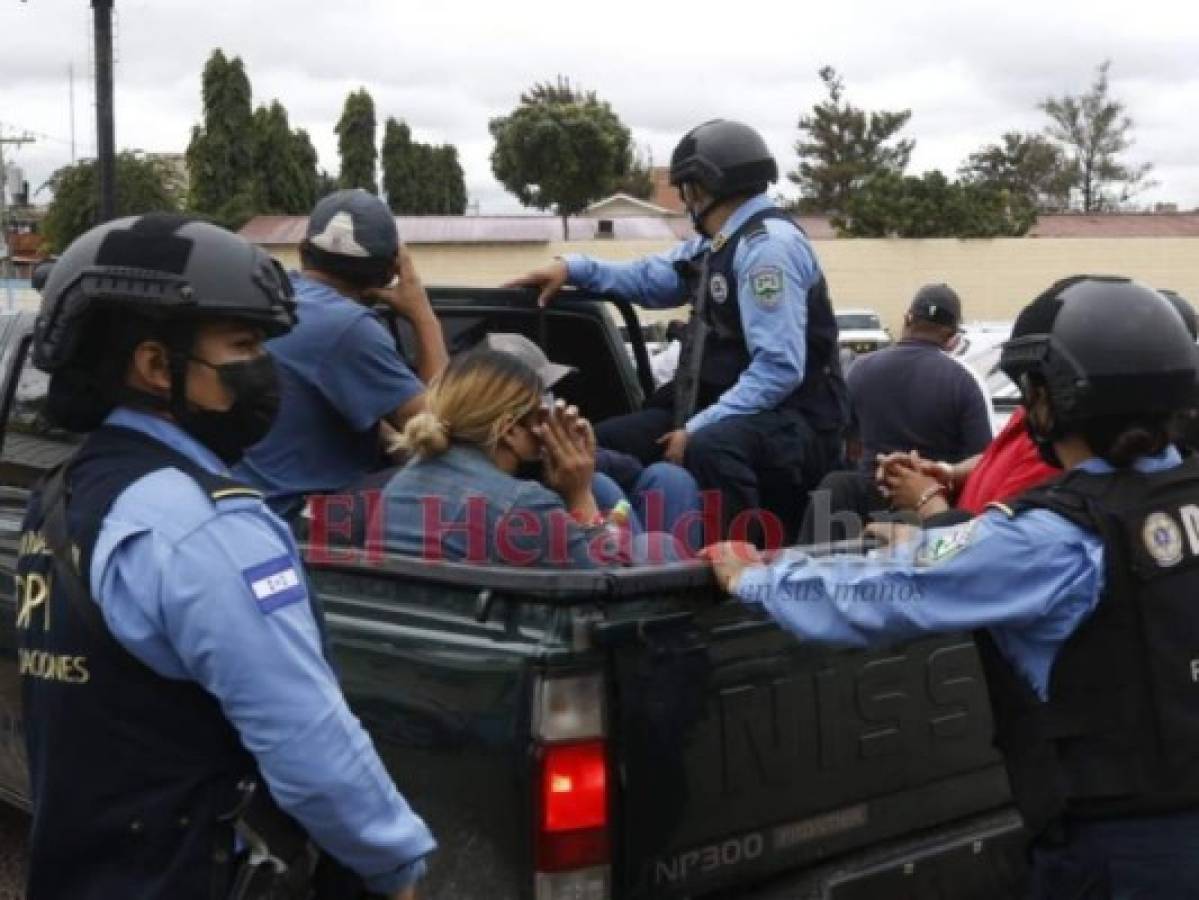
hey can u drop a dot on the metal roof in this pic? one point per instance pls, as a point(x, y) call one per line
point(1116, 225)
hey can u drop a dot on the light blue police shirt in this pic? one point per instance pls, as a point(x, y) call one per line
point(775, 326)
point(216, 594)
point(1031, 580)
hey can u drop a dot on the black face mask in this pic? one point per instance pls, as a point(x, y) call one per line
point(254, 384)
point(530, 470)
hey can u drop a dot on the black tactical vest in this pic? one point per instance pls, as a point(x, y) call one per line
point(822, 397)
point(131, 772)
point(1119, 735)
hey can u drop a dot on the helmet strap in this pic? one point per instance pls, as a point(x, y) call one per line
point(698, 216)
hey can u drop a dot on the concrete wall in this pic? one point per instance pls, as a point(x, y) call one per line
point(995, 278)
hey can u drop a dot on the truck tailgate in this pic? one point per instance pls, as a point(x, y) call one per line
point(744, 752)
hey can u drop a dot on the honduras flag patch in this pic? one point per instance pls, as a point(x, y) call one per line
point(275, 583)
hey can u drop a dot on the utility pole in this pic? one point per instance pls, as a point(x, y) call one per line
point(105, 139)
point(4, 253)
point(71, 85)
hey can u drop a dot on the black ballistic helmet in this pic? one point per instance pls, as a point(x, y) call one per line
point(157, 265)
point(1103, 346)
point(1183, 307)
point(725, 158)
point(40, 273)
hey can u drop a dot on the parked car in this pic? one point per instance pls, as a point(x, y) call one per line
point(979, 349)
point(861, 330)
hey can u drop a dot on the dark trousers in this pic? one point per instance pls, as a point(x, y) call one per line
point(760, 466)
point(840, 507)
point(1151, 858)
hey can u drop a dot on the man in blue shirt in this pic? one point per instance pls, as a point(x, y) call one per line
point(198, 711)
point(1081, 596)
point(343, 380)
point(756, 407)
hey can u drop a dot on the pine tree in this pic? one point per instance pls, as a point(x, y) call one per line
point(220, 155)
point(843, 146)
point(356, 142)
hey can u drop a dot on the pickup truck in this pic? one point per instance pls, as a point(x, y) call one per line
point(626, 733)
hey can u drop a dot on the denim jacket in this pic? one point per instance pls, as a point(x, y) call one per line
point(461, 507)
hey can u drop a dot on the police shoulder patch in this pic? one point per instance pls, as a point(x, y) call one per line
point(275, 583)
point(942, 547)
point(766, 283)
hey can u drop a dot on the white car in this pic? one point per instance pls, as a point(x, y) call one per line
point(978, 349)
point(861, 330)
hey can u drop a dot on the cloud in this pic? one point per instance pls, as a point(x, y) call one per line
point(968, 72)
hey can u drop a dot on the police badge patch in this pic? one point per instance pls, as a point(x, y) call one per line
point(944, 546)
point(718, 288)
point(767, 286)
point(1163, 539)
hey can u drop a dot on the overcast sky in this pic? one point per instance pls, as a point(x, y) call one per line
point(968, 71)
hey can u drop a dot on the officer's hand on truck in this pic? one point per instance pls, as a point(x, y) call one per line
point(548, 280)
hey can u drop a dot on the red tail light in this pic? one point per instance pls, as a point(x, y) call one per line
point(573, 816)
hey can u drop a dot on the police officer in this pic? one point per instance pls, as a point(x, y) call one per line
point(1082, 594)
point(756, 406)
point(175, 688)
point(1186, 421)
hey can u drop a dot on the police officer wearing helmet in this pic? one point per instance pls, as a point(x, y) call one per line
point(757, 404)
point(1081, 593)
point(1186, 421)
point(181, 717)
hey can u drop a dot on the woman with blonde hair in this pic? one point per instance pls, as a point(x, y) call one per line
point(472, 491)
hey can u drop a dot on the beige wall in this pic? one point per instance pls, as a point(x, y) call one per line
point(995, 278)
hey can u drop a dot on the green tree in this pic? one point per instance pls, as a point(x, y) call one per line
point(420, 179)
point(307, 159)
point(284, 162)
point(399, 181)
point(560, 148)
point(220, 156)
point(356, 142)
point(932, 206)
point(326, 184)
point(452, 180)
point(1030, 167)
point(1095, 132)
point(143, 185)
point(639, 182)
point(841, 146)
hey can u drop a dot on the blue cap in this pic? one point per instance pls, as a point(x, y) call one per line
point(354, 223)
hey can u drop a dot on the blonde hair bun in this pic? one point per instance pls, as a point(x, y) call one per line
point(426, 435)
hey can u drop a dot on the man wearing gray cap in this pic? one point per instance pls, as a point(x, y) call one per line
point(911, 396)
point(340, 372)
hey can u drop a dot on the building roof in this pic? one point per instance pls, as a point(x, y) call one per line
point(1116, 225)
point(651, 209)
